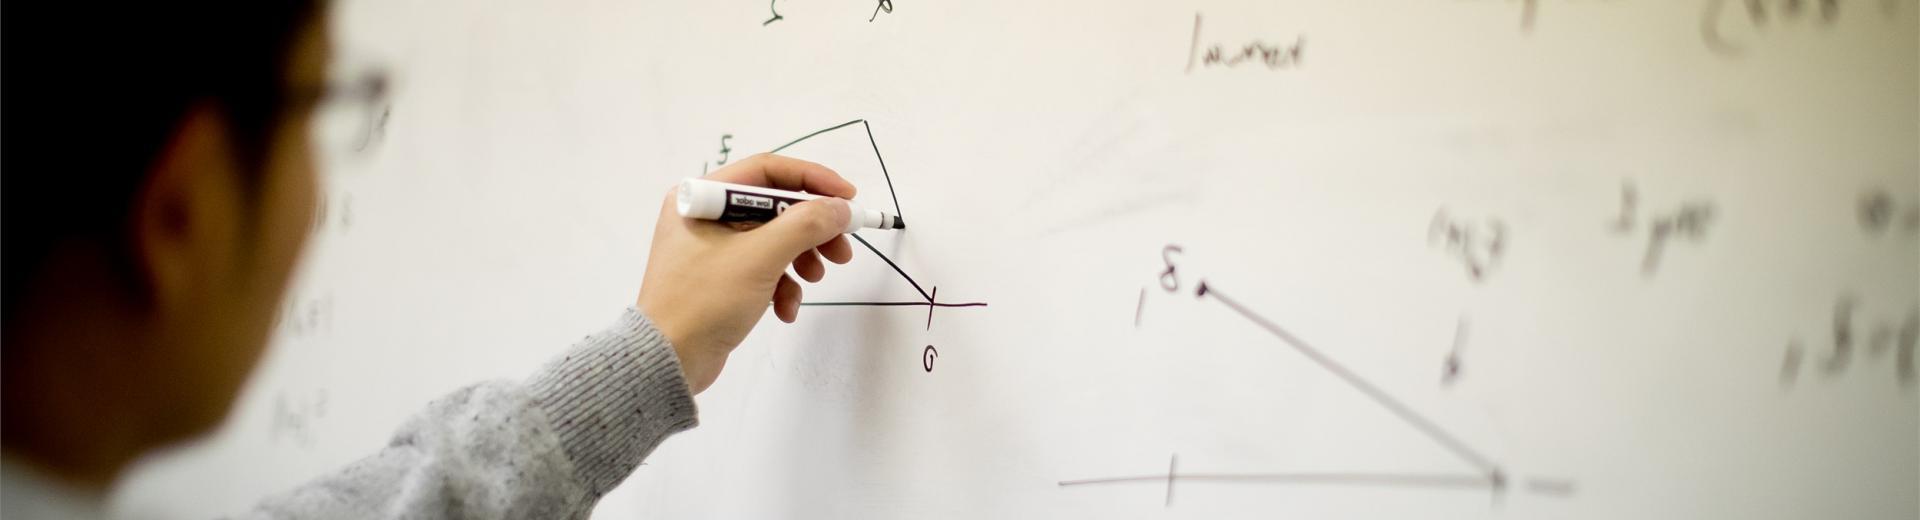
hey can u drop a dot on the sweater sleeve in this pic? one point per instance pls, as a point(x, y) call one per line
point(548, 447)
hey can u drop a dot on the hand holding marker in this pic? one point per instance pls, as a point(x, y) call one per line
point(727, 202)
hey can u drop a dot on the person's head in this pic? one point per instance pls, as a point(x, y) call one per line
point(157, 191)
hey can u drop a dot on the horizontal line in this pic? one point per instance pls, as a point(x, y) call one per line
point(1548, 486)
point(890, 304)
point(1362, 479)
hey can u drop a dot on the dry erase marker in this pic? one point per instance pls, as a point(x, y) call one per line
point(727, 202)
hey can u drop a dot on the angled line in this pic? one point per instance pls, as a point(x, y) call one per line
point(810, 136)
point(1475, 482)
point(932, 301)
point(896, 267)
point(776, 13)
point(895, 195)
point(1139, 307)
point(883, 169)
point(1173, 462)
point(1406, 414)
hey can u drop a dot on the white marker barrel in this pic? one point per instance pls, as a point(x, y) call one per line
point(727, 202)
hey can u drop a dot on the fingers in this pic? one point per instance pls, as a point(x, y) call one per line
point(786, 299)
point(787, 173)
point(837, 250)
point(801, 228)
point(807, 265)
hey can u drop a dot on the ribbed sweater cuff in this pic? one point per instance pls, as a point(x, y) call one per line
point(612, 398)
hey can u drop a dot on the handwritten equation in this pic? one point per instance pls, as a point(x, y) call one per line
point(1847, 347)
point(1882, 215)
point(296, 417)
point(725, 153)
point(1274, 56)
point(333, 213)
point(1478, 244)
point(1759, 17)
point(1687, 221)
point(306, 318)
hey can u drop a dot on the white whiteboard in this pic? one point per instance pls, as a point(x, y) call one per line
point(1049, 153)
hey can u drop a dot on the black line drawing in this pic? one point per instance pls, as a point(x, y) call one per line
point(1140, 307)
point(894, 195)
point(1433, 431)
point(1173, 465)
point(1485, 474)
point(773, 6)
point(1439, 480)
point(1450, 370)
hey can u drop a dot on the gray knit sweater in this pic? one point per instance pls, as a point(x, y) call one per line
point(548, 447)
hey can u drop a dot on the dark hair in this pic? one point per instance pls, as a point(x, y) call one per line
point(92, 92)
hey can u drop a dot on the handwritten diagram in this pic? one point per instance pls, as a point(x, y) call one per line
point(929, 295)
point(1689, 222)
point(1479, 473)
point(1274, 56)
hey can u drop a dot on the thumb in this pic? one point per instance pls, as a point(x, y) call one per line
point(804, 226)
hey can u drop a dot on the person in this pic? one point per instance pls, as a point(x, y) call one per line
point(158, 189)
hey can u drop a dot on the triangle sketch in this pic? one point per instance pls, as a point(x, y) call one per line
point(929, 299)
point(1482, 473)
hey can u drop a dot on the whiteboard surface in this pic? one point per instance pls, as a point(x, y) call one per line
point(1463, 259)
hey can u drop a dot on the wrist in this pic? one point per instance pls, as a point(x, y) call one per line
point(697, 369)
point(698, 366)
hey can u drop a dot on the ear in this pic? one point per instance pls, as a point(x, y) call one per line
point(185, 218)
